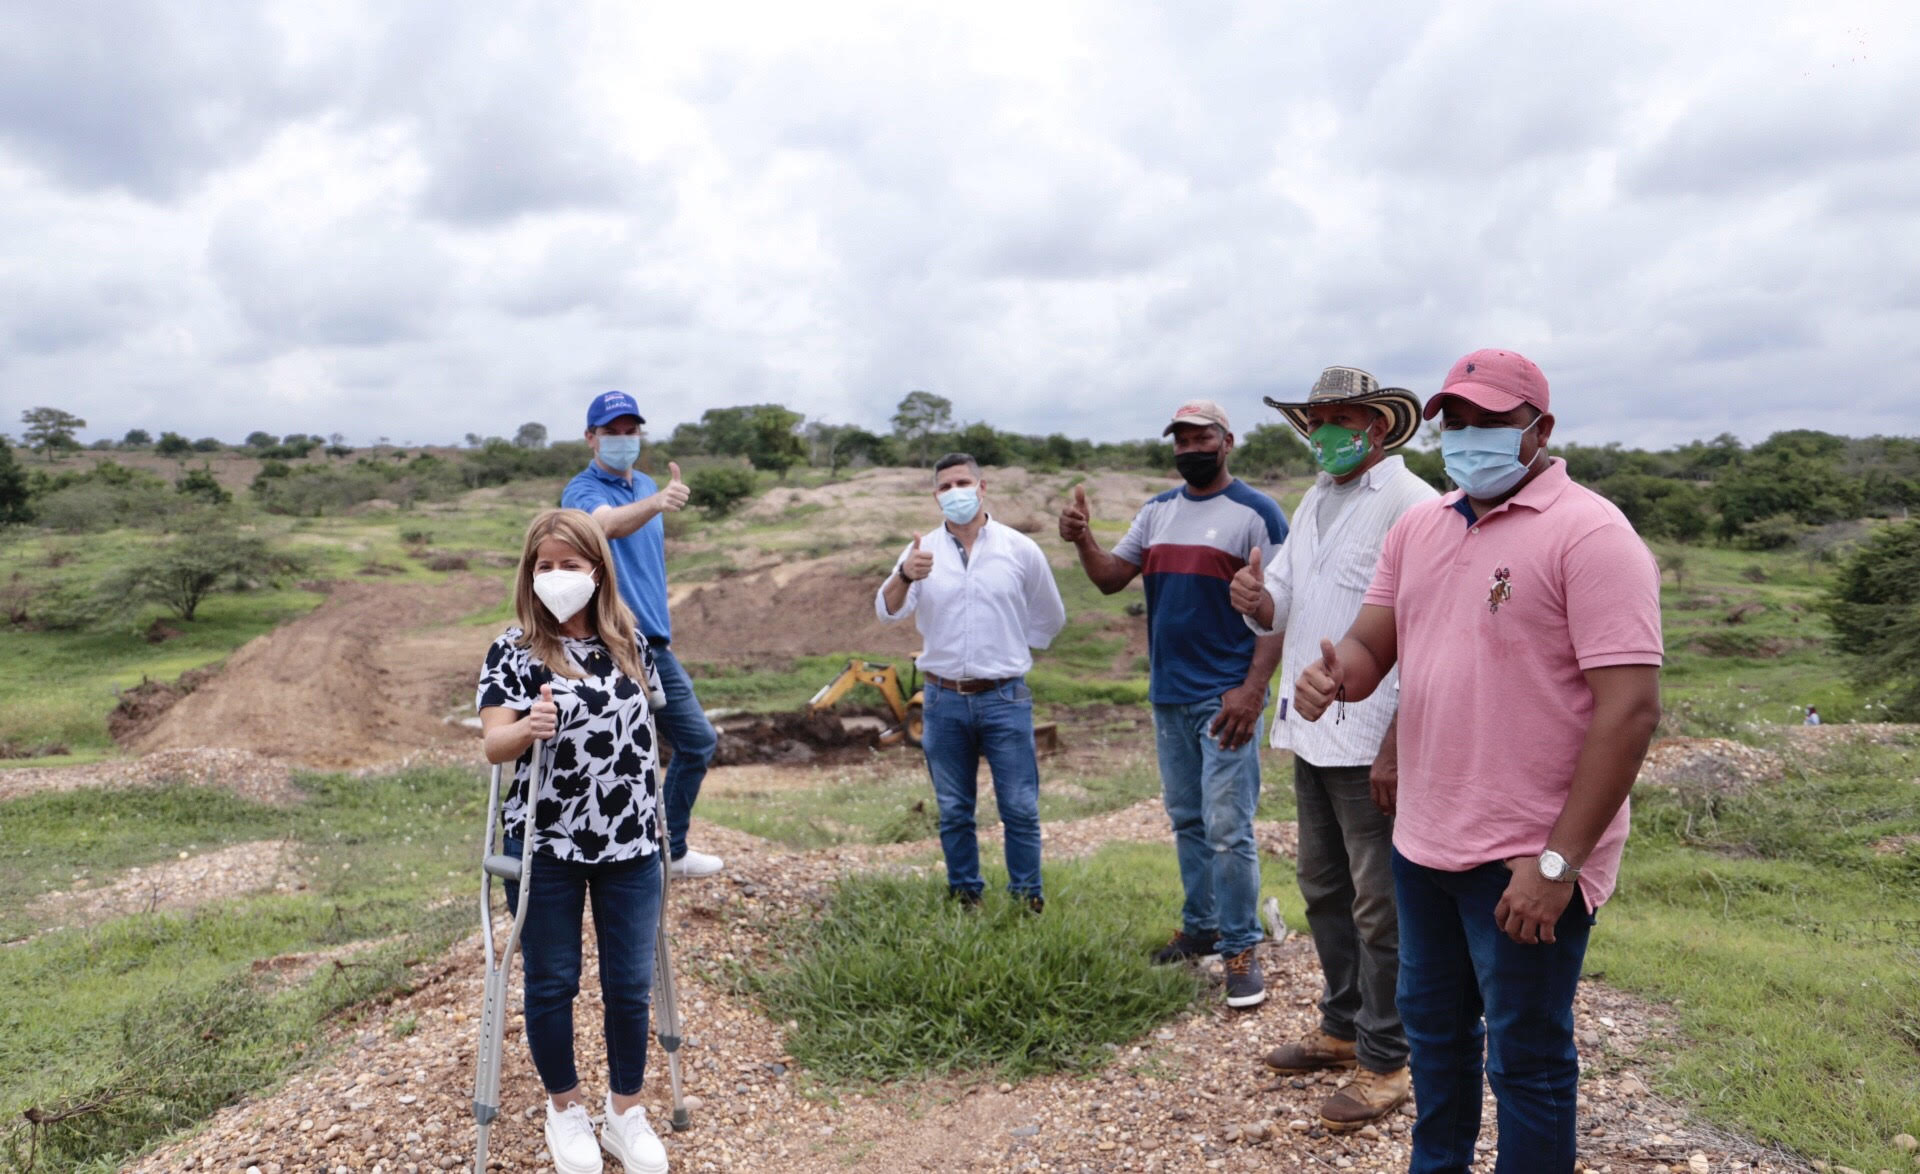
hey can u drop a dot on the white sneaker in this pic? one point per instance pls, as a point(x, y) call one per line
point(630, 1137)
point(696, 864)
point(570, 1140)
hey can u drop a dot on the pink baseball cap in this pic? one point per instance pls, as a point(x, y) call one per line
point(1496, 380)
point(1199, 411)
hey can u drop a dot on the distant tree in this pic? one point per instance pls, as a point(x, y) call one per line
point(172, 444)
point(102, 444)
point(207, 444)
point(851, 445)
point(1782, 482)
point(1271, 449)
point(773, 439)
point(259, 439)
point(473, 440)
point(718, 488)
point(181, 574)
point(531, 435)
point(136, 438)
point(202, 484)
point(50, 430)
point(1874, 606)
point(919, 420)
point(14, 506)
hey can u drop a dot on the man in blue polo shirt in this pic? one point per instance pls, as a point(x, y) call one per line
point(1208, 678)
point(628, 505)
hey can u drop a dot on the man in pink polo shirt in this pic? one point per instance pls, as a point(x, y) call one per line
point(1524, 615)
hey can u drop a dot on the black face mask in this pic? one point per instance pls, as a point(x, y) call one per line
point(1199, 468)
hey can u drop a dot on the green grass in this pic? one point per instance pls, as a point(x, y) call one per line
point(1789, 949)
point(148, 1023)
point(898, 806)
point(896, 981)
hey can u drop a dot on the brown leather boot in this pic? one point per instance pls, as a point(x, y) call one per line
point(1318, 1050)
point(1368, 1097)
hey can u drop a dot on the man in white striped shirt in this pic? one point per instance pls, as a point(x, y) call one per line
point(1344, 770)
point(982, 594)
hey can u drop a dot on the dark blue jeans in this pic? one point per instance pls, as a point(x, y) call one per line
point(1210, 795)
point(626, 920)
point(960, 729)
point(1457, 968)
point(684, 726)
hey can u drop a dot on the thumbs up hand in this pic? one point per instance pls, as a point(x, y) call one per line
point(1075, 519)
point(1319, 683)
point(544, 721)
point(918, 564)
point(673, 497)
point(1248, 592)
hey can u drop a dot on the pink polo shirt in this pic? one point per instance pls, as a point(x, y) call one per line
point(1496, 622)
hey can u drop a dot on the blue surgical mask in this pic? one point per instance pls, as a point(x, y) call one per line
point(960, 503)
point(619, 452)
point(1485, 461)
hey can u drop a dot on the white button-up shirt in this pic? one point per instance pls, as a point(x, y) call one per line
point(1317, 582)
point(979, 614)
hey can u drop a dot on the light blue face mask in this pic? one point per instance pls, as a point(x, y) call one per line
point(1485, 461)
point(960, 503)
point(619, 452)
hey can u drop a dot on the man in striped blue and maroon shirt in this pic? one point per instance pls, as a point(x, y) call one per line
point(1208, 678)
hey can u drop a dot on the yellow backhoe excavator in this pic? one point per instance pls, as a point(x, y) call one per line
point(905, 704)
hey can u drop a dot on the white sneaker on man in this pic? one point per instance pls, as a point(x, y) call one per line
point(629, 1136)
point(696, 864)
point(570, 1140)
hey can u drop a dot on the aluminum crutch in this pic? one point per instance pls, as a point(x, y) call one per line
point(493, 1010)
point(667, 1025)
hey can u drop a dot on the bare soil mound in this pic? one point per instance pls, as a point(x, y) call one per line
point(825, 611)
point(365, 678)
point(1711, 765)
point(790, 739)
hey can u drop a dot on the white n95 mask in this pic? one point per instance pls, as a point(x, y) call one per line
point(564, 592)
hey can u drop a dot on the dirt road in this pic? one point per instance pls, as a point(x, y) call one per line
point(367, 677)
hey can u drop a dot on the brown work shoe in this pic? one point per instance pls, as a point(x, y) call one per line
point(1318, 1050)
point(1368, 1097)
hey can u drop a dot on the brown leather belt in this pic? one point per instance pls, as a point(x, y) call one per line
point(969, 685)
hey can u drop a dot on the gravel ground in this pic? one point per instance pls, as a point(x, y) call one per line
point(394, 1093)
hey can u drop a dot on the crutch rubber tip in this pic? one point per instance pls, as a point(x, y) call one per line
point(680, 1121)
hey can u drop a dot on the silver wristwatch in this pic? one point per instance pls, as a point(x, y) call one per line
point(1555, 868)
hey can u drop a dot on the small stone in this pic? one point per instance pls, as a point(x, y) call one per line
point(1697, 1163)
point(408, 1099)
point(692, 1102)
point(1005, 1087)
point(1906, 1142)
point(1299, 1125)
point(1024, 1130)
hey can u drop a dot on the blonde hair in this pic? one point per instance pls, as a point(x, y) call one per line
point(607, 614)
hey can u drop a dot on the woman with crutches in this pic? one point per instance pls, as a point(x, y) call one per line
point(572, 677)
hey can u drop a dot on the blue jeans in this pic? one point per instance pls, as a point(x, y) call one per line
point(1210, 794)
point(960, 729)
point(1456, 967)
point(684, 726)
point(626, 921)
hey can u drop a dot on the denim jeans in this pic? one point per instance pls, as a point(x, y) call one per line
point(1456, 967)
point(1346, 876)
point(1210, 794)
point(626, 920)
point(960, 730)
point(684, 726)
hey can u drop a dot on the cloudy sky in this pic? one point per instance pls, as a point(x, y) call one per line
point(418, 221)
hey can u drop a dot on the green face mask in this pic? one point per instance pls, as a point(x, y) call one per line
point(1339, 450)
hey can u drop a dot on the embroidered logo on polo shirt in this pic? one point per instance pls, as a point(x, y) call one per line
point(1499, 589)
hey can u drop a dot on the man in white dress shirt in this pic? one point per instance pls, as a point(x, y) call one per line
point(1344, 772)
point(982, 595)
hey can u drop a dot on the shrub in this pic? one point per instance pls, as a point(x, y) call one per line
point(183, 572)
point(719, 488)
point(202, 484)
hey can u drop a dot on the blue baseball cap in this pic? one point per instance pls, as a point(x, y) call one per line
point(611, 405)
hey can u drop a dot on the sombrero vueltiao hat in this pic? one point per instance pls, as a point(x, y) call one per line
point(1351, 385)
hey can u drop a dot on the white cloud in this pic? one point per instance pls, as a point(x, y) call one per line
point(407, 222)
